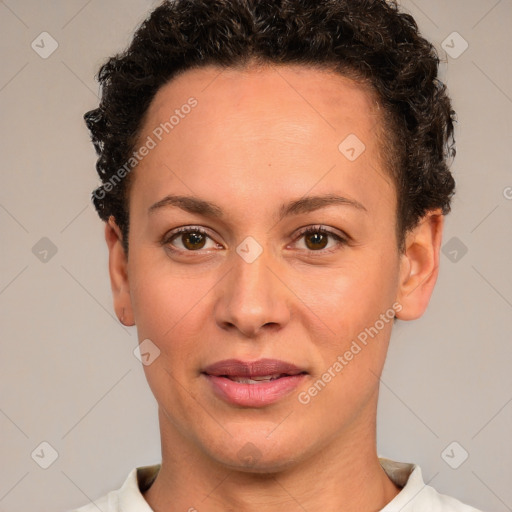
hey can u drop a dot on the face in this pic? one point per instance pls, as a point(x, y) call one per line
point(270, 286)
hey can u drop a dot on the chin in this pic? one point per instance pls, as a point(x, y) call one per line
point(254, 454)
point(267, 464)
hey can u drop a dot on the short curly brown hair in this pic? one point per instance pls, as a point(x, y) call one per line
point(367, 40)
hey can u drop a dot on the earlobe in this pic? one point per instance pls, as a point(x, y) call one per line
point(118, 270)
point(419, 266)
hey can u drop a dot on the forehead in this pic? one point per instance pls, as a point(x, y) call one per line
point(281, 124)
point(307, 91)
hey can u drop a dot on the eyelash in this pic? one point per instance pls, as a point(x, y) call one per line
point(307, 231)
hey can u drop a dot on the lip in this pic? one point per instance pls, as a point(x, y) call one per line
point(253, 394)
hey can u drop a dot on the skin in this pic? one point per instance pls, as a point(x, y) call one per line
point(260, 137)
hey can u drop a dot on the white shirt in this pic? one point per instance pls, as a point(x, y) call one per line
point(415, 495)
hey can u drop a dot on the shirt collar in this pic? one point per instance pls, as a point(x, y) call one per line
point(130, 495)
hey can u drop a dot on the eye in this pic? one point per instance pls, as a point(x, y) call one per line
point(191, 238)
point(316, 239)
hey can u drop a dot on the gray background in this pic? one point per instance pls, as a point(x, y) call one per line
point(68, 375)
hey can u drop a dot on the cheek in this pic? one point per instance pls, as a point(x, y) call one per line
point(352, 350)
point(167, 311)
point(352, 309)
point(347, 299)
point(164, 301)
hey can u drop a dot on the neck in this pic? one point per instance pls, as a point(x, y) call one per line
point(344, 475)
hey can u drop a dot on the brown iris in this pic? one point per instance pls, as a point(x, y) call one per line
point(193, 240)
point(318, 240)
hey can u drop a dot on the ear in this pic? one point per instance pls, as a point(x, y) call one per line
point(118, 269)
point(419, 266)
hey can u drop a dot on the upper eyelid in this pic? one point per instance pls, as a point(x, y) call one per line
point(324, 229)
point(185, 229)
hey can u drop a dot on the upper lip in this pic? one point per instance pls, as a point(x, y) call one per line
point(259, 368)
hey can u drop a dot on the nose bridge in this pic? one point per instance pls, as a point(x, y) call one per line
point(252, 296)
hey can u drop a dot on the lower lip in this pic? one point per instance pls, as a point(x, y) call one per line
point(253, 395)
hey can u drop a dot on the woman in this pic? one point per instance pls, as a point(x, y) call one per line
point(274, 184)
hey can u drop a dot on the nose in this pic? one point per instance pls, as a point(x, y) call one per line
point(252, 298)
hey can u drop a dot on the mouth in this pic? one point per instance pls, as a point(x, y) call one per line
point(253, 384)
point(253, 371)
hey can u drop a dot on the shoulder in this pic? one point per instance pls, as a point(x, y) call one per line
point(416, 495)
point(107, 503)
point(447, 503)
point(103, 504)
point(129, 497)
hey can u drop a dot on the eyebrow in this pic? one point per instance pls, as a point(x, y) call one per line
point(303, 205)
